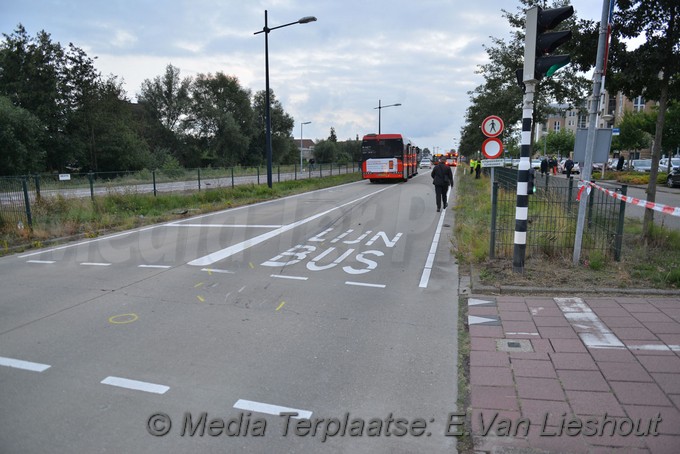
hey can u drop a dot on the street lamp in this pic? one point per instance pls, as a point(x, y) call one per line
point(380, 107)
point(268, 119)
point(301, 125)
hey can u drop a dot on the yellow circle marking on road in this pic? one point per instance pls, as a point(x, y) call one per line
point(123, 319)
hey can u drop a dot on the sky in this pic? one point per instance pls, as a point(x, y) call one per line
point(333, 72)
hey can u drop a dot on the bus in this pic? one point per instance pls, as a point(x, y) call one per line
point(387, 157)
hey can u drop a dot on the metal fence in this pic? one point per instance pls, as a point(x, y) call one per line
point(552, 221)
point(18, 193)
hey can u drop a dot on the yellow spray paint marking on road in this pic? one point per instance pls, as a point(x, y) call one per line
point(251, 265)
point(198, 285)
point(281, 305)
point(123, 319)
point(200, 298)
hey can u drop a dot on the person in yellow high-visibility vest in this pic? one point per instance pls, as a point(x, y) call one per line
point(473, 163)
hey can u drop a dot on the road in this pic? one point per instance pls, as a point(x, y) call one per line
point(339, 305)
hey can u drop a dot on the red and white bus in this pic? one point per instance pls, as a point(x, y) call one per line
point(388, 156)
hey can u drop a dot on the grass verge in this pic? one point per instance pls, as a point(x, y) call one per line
point(59, 218)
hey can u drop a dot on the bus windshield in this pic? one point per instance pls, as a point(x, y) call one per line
point(383, 148)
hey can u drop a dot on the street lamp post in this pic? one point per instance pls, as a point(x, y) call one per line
point(380, 107)
point(268, 121)
point(302, 124)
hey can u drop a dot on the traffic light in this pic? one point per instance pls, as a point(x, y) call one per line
point(540, 43)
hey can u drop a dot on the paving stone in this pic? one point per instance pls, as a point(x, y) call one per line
point(568, 346)
point(626, 334)
point(557, 332)
point(491, 376)
point(653, 317)
point(551, 321)
point(637, 393)
point(486, 331)
point(573, 361)
point(539, 388)
point(494, 397)
point(670, 418)
point(631, 371)
point(497, 359)
point(531, 368)
point(587, 403)
point(661, 364)
point(612, 355)
point(670, 383)
point(482, 344)
point(583, 380)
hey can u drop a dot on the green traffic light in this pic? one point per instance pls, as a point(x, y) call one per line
point(546, 66)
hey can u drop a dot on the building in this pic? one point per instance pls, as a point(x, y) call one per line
point(306, 147)
point(613, 108)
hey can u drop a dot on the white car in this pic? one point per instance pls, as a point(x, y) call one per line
point(425, 163)
point(562, 169)
point(663, 164)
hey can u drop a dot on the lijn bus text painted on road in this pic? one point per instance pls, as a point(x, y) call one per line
point(301, 252)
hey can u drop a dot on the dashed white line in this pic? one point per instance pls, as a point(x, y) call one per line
point(216, 270)
point(281, 276)
point(425, 277)
point(363, 284)
point(25, 365)
point(269, 409)
point(155, 266)
point(41, 261)
point(95, 264)
point(238, 226)
point(136, 385)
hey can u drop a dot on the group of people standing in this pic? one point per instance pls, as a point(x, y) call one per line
point(549, 165)
point(475, 167)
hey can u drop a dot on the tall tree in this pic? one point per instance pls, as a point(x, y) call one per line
point(20, 140)
point(651, 70)
point(282, 128)
point(167, 97)
point(221, 119)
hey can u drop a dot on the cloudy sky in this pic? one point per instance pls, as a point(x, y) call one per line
point(332, 72)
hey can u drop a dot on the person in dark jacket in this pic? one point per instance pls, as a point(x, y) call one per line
point(568, 165)
point(442, 178)
point(544, 166)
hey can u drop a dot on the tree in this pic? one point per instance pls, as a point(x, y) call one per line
point(500, 94)
point(220, 119)
point(20, 140)
point(636, 129)
point(167, 98)
point(652, 70)
point(282, 128)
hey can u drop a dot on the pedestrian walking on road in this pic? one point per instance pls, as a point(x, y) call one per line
point(619, 164)
point(544, 166)
point(442, 178)
point(568, 165)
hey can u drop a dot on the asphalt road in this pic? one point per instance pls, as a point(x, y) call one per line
point(339, 305)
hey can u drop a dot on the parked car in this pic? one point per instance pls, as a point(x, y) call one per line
point(673, 178)
point(663, 164)
point(641, 165)
point(425, 163)
point(562, 169)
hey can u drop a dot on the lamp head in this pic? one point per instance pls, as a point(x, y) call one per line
point(307, 19)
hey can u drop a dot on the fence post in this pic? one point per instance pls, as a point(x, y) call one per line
point(27, 202)
point(571, 191)
point(36, 178)
point(494, 204)
point(258, 175)
point(278, 173)
point(618, 239)
point(591, 200)
point(309, 168)
point(232, 177)
point(153, 174)
point(199, 178)
point(320, 170)
point(90, 176)
point(295, 169)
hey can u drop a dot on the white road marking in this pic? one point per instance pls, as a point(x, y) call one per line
point(155, 266)
point(136, 385)
point(655, 347)
point(26, 365)
point(524, 334)
point(95, 264)
point(425, 277)
point(260, 407)
point(593, 332)
point(281, 276)
point(236, 226)
point(363, 284)
point(216, 270)
point(242, 246)
point(40, 261)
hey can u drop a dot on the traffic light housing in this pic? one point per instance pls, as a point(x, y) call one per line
point(539, 43)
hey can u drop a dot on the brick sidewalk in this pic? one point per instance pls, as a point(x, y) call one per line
point(572, 375)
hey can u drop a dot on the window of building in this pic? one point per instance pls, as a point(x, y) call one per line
point(639, 104)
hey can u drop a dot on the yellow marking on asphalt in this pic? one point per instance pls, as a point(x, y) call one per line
point(200, 298)
point(123, 319)
point(198, 285)
point(251, 265)
point(281, 305)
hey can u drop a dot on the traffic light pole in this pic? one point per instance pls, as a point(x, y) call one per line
point(522, 208)
point(586, 170)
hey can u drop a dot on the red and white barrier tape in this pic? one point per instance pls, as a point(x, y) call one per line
point(673, 211)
